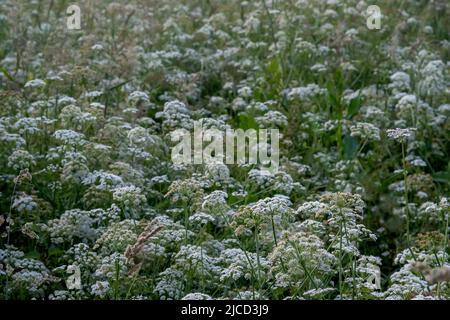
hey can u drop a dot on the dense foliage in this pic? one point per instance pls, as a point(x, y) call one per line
point(359, 208)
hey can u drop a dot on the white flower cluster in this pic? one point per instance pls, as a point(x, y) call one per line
point(25, 273)
point(73, 224)
point(24, 203)
point(175, 116)
point(357, 207)
point(21, 159)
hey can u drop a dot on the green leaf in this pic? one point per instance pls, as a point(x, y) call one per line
point(331, 96)
point(7, 75)
point(442, 176)
point(339, 82)
point(351, 146)
point(273, 79)
point(246, 121)
point(33, 255)
point(55, 252)
point(274, 67)
point(354, 106)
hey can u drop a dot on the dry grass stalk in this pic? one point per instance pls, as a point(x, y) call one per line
point(133, 251)
point(438, 275)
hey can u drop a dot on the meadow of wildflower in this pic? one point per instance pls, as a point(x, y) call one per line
point(92, 205)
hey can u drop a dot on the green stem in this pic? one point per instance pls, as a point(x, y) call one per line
point(408, 237)
point(340, 260)
point(257, 256)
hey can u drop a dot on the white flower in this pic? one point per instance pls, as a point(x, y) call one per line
point(214, 200)
point(138, 96)
point(400, 81)
point(24, 203)
point(100, 289)
point(97, 47)
point(400, 134)
point(196, 296)
point(129, 196)
point(201, 219)
point(92, 94)
point(139, 136)
point(21, 159)
point(35, 83)
point(245, 92)
point(69, 137)
point(365, 131)
point(272, 119)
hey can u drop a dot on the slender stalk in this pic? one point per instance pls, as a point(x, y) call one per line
point(257, 256)
point(408, 236)
point(273, 229)
point(340, 260)
point(186, 223)
point(354, 278)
